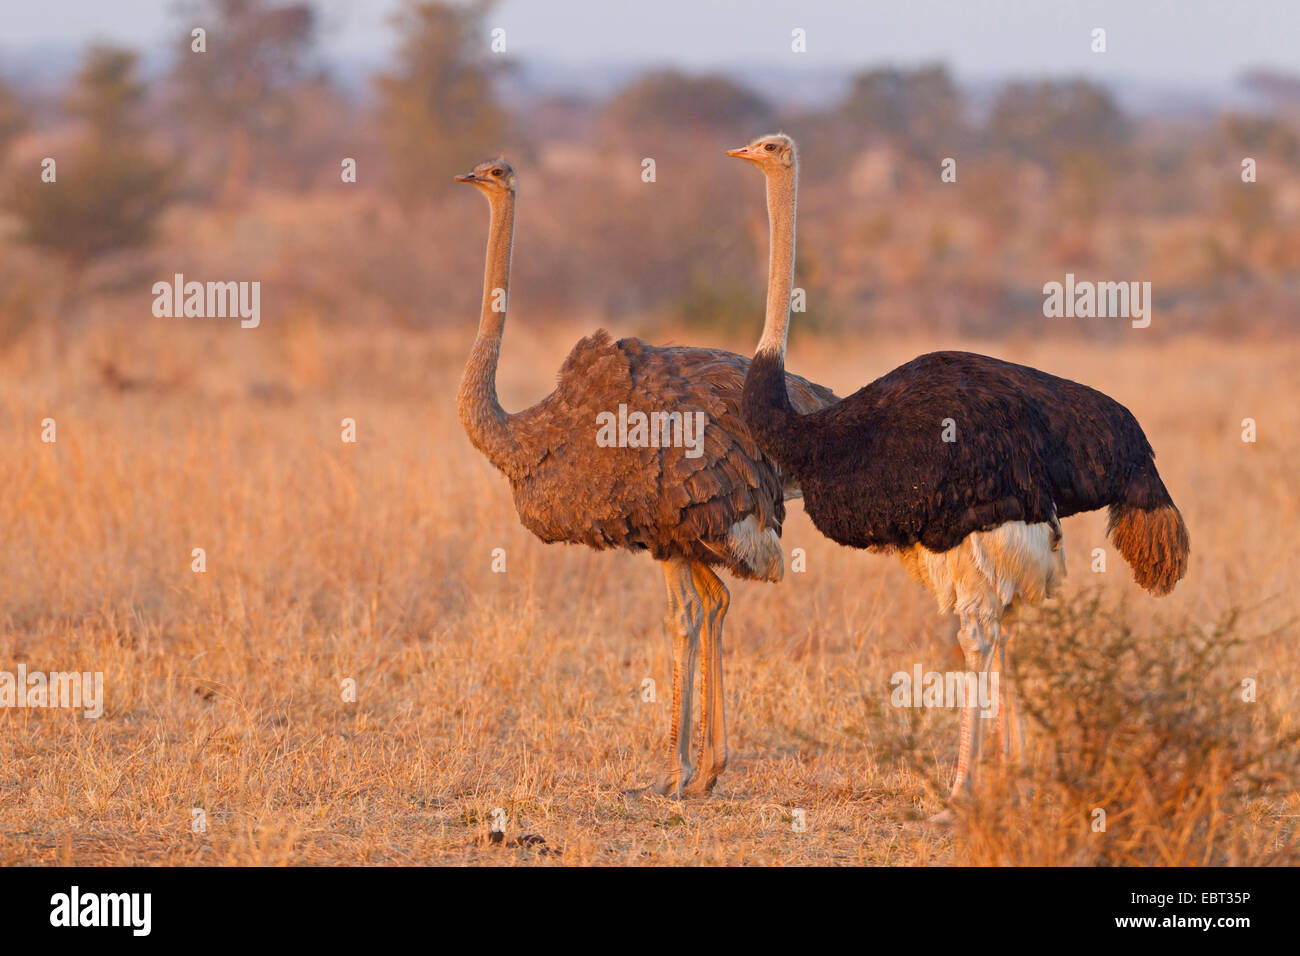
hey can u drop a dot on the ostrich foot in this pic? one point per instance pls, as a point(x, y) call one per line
point(670, 785)
point(636, 793)
point(700, 785)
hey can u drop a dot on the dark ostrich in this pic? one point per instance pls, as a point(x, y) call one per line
point(962, 464)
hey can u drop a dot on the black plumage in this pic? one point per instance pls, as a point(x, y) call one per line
point(1026, 446)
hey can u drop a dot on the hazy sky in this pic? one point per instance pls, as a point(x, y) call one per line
point(1176, 41)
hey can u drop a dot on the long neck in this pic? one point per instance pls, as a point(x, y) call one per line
point(481, 414)
point(765, 402)
point(782, 197)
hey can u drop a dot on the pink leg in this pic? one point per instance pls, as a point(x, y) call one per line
point(1011, 731)
point(1002, 730)
point(968, 718)
point(978, 653)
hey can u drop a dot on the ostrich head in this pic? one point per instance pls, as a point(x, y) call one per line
point(491, 177)
point(769, 153)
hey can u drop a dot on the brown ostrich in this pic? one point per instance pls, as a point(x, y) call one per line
point(974, 517)
point(695, 499)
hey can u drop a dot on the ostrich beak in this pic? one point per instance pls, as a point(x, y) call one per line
point(739, 153)
point(466, 178)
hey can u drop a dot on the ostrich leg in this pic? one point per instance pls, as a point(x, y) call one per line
point(1011, 730)
point(979, 652)
point(713, 719)
point(685, 619)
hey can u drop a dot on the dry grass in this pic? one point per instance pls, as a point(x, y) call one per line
point(1149, 751)
point(521, 690)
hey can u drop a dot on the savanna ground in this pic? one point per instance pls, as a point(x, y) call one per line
point(522, 690)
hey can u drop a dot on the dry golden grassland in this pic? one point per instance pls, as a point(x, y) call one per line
point(521, 690)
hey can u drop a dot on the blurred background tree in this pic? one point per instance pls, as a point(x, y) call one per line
point(919, 111)
point(438, 112)
point(1247, 135)
point(1050, 120)
point(109, 189)
point(687, 254)
point(1279, 91)
point(241, 102)
point(667, 107)
point(1074, 129)
point(16, 311)
point(13, 117)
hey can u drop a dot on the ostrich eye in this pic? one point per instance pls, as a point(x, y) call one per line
point(770, 147)
point(496, 172)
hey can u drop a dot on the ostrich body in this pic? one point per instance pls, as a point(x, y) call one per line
point(693, 512)
point(976, 518)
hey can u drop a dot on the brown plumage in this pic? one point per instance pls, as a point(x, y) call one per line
point(692, 512)
point(566, 488)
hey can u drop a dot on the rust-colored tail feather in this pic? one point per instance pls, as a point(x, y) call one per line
point(1153, 541)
